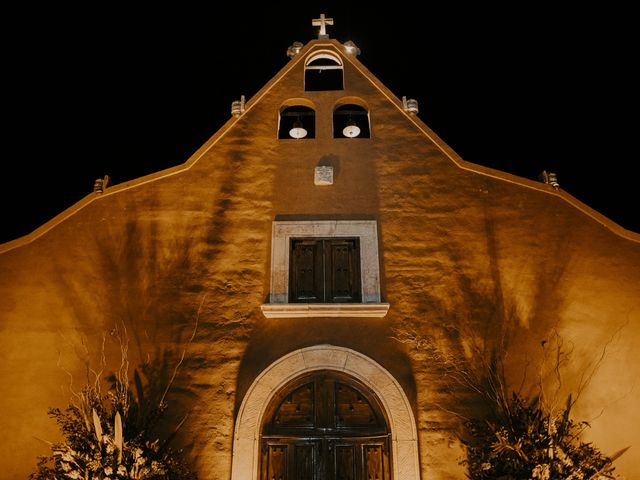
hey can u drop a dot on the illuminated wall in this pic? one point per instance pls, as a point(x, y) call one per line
point(462, 248)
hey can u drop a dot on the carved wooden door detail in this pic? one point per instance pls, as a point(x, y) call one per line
point(325, 426)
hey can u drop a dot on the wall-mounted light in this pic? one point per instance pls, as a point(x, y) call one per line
point(298, 130)
point(351, 130)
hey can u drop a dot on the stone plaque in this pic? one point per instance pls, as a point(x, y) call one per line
point(323, 176)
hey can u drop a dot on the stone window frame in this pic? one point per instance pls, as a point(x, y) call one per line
point(282, 233)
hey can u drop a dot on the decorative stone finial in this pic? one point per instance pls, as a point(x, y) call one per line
point(322, 22)
point(410, 105)
point(237, 107)
point(549, 178)
point(100, 184)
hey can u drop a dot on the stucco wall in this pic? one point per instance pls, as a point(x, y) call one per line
point(191, 250)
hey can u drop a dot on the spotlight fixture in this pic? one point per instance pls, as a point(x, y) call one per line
point(298, 130)
point(351, 48)
point(351, 130)
point(294, 49)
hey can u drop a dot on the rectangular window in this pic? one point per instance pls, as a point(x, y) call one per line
point(324, 270)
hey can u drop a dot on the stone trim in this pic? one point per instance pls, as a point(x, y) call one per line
point(283, 231)
point(301, 310)
point(404, 438)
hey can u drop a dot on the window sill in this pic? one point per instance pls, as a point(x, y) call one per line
point(301, 310)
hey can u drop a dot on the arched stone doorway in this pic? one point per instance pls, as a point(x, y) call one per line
point(393, 406)
point(325, 425)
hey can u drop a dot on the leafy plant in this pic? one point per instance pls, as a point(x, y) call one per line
point(512, 436)
point(116, 435)
point(112, 436)
point(523, 440)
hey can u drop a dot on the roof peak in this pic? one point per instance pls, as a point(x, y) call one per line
point(322, 22)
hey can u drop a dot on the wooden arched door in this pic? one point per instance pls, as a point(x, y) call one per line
point(325, 426)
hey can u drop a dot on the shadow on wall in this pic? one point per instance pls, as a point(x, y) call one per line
point(461, 344)
point(139, 275)
point(139, 289)
point(154, 271)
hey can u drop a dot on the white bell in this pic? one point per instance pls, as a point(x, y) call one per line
point(297, 131)
point(351, 130)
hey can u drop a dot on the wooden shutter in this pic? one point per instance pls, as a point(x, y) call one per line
point(342, 271)
point(325, 271)
point(306, 273)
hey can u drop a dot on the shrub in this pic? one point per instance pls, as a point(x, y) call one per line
point(113, 436)
point(522, 440)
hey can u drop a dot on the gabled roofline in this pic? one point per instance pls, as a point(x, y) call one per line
point(419, 124)
point(486, 171)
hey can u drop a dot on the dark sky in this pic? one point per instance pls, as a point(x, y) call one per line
point(110, 90)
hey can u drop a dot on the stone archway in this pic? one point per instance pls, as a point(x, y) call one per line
point(404, 437)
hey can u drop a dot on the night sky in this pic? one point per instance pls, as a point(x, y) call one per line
point(109, 90)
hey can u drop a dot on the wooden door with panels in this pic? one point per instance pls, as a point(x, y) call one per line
point(325, 426)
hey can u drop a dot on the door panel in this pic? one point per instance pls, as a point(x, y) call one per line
point(345, 462)
point(276, 462)
point(373, 463)
point(360, 459)
point(352, 410)
point(290, 459)
point(326, 459)
point(305, 461)
point(297, 409)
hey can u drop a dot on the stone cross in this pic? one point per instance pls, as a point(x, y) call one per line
point(322, 23)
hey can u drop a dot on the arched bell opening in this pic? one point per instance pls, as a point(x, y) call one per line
point(323, 70)
point(297, 122)
point(351, 121)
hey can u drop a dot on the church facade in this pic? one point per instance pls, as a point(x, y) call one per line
point(299, 262)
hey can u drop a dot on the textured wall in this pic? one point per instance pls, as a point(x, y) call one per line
point(461, 251)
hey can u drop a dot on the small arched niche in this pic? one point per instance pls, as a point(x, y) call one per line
point(323, 70)
point(297, 122)
point(351, 121)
